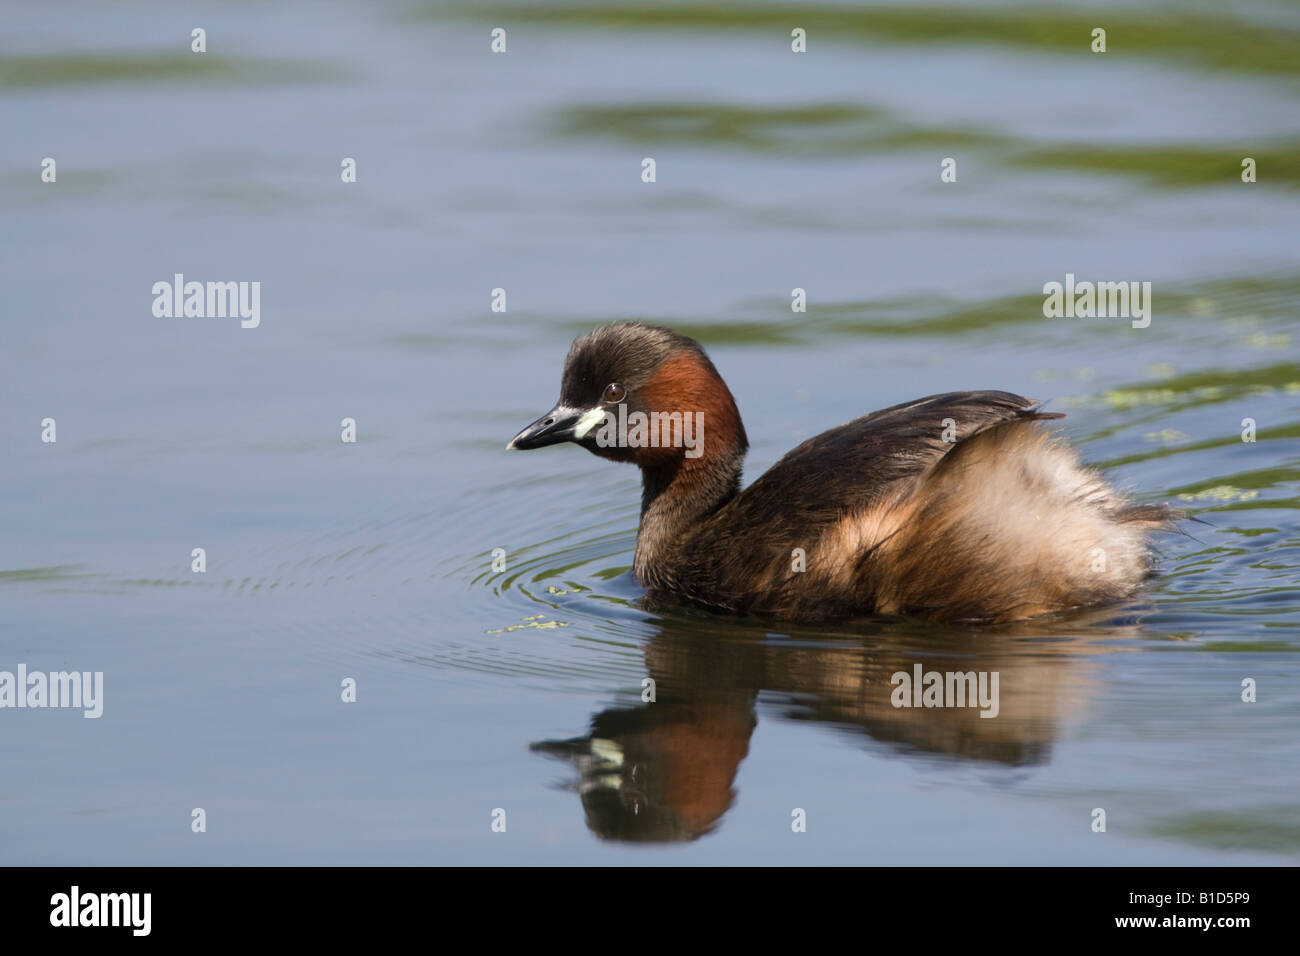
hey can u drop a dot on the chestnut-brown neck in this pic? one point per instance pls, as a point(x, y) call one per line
point(679, 492)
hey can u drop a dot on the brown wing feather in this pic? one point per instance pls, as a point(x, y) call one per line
point(848, 470)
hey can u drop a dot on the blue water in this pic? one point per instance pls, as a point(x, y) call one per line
point(521, 690)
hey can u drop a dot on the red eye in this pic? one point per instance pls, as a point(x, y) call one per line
point(614, 393)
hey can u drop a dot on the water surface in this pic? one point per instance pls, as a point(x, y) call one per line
point(522, 689)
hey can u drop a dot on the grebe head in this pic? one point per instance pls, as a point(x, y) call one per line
point(631, 375)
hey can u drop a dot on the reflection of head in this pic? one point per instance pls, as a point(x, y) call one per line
point(659, 773)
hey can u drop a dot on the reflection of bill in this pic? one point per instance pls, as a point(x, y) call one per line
point(661, 773)
point(664, 771)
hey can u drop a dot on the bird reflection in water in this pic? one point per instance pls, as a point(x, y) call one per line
point(665, 771)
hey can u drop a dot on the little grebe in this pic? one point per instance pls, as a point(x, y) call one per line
point(956, 507)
